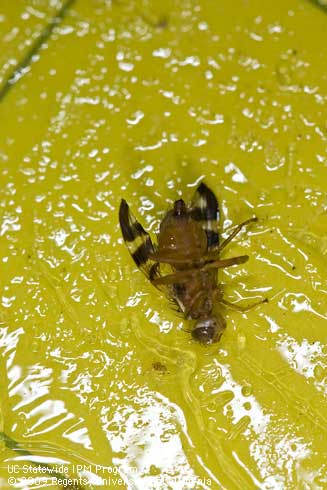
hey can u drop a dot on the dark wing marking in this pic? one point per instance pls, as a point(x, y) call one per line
point(139, 244)
point(205, 209)
point(137, 240)
point(140, 247)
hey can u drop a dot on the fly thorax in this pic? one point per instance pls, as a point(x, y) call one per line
point(182, 237)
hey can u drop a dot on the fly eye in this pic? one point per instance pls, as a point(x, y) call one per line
point(209, 330)
point(204, 335)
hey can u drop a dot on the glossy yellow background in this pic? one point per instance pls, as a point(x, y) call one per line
point(143, 100)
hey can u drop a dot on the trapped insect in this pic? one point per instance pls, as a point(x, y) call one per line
point(189, 242)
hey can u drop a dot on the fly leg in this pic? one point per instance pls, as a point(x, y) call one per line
point(177, 277)
point(184, 276)
point(243, 308)
point(165, 259)
point(195, 299)
point(234, 233)
point(222, 263)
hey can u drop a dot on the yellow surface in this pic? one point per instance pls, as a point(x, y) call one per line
point(143, 100)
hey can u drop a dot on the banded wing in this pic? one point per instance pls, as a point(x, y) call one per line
point(140, 247)
point(205, 209)
point(137, 240)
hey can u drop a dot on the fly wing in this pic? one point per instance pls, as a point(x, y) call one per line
point(205, 209)
point(137, 240)
point(139, 244)
point(140, 247)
